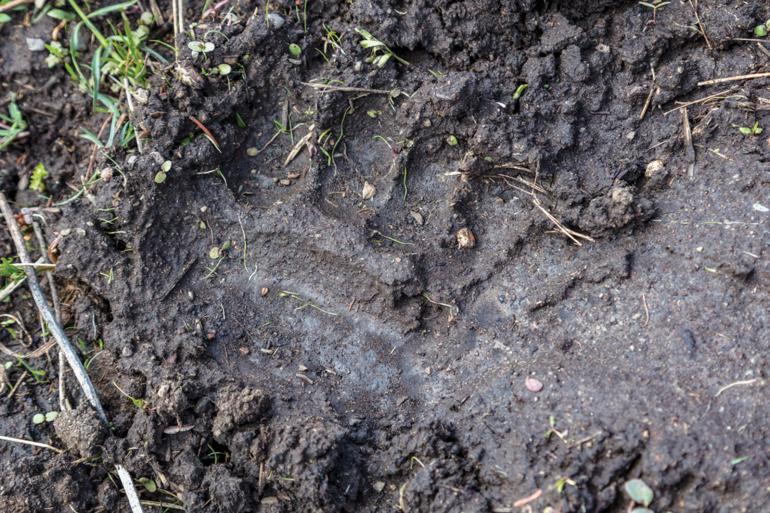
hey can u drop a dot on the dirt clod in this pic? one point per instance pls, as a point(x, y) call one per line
point(81, 431)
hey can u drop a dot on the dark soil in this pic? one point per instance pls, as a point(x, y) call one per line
point(345, 354)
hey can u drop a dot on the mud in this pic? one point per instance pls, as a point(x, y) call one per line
point(344, 353)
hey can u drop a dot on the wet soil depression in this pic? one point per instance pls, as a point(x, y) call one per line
point(342, 350)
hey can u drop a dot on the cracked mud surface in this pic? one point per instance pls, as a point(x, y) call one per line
point(344, 354)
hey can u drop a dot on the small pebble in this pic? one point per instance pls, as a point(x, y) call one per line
point(106, 174)
point(368, 191)
point(418, 218)
point(275, 20)
point(35, 44)
point(653, 168)
point(465, 238)
point(533, 385)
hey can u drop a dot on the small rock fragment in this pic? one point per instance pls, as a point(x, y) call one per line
point(106, 174)
point(35, 44)
point(533, 385)
point(653, 168)
point(418, 218)
point(379, 486)
point(760, 208)
point(465, 238)
point(368, 191)
point(275, 20)
point(285, 182)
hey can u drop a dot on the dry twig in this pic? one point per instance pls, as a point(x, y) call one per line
point(572, 234)
point(735, 78)
point(128, 486)
point(48, 316)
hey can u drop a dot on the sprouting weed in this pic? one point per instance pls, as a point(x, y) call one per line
point(11, 125)
point(381, 54)
point(751, 130)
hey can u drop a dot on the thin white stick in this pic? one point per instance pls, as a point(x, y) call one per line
point(736, 384)
point(30, 442)
point(733, 79)
point(56, 310)
point(128, 486)
point(7, 291)
point(42, 305)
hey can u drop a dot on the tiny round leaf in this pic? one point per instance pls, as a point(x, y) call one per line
point(38, 418)
point(639, 491)
point(148, 484)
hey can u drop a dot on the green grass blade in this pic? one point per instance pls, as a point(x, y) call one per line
point(119, 7)
point(87, 22)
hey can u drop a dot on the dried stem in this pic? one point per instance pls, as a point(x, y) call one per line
point(48, 316)
point(128, 486)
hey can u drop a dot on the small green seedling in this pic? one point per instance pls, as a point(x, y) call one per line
point(562, 483)
point(139, 403)
point(639, 492)
point(381, 54)
point(239, 121)
point(11, 125)
point(37, 374)
point(452, 140)
point(654, 5)
point(56, 53)
point(37, 181)
point(373, 113)
point(4, 18)
point(332, 39)
point(761, 30)
point(295, 50)
point(148, 484)
point(147, 18)
point(40, 418)
point(109, 275)
point(10, 271)
point(224, 69)
point(752, 130)
point(214, 455)
point(438, 75)
point(200, 48)
point(161, 175)
point(218, 251)
point(520, 91)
